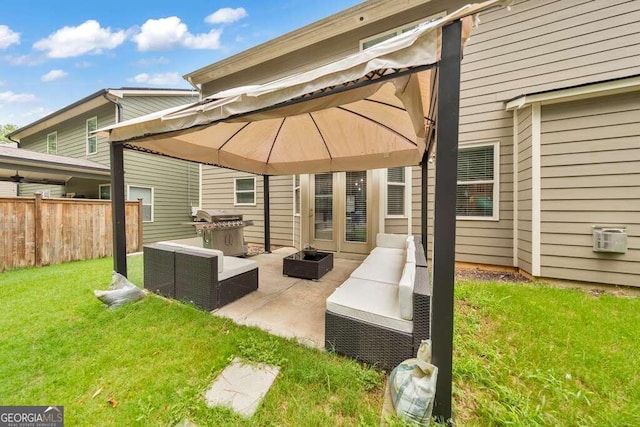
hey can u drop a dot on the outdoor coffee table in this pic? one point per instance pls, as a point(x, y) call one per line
point(307, 267)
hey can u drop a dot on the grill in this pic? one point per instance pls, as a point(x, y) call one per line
point(223, 230)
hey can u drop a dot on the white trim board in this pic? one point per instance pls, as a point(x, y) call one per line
point(576, 93)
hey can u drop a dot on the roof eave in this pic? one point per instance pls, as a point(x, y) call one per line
point(361, 14)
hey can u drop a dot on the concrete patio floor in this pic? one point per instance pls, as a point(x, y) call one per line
point(285, 306)
point(288, 306)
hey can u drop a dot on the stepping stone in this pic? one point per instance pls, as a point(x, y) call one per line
point(241, 386)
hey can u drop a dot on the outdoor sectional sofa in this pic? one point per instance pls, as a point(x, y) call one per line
point(205, 277)
point(381, 313)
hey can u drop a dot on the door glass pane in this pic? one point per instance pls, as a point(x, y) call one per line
point(323, 210)
point(356, 207)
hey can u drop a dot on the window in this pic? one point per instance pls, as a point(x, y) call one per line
point(396, 191)
point(146, 194)
point(105, 191)
point(380, 37)
point(296, 195)
point(477, 192)
point(52, 143)
point(92, 140)
point(245, 191)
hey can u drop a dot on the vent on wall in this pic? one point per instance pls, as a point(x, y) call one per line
point(610, 239)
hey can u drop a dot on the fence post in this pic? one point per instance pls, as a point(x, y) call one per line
point(140, 227)
point(38, 229)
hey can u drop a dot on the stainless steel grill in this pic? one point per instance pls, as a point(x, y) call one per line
point(222, 229)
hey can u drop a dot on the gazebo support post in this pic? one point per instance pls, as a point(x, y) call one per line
point(444, 230)
point(118, 209)
point(424, 201)
point(267, 220)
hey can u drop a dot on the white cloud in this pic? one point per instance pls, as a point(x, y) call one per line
point(54, 75)
point(226, 15)
point(88, 37)
point(171, 32)
point(8, 37)
point(83, 64)
point(16, 98)
point(157, 79)
point(26, 60)
point(145, 62)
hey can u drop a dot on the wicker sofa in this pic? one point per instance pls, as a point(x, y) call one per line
point(381, 313)
point(204, 277)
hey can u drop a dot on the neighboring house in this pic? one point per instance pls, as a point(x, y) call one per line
point(8, 189)
point(168, 187)
point(549, 139)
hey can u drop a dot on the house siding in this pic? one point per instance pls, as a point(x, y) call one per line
point(602, 132)
point(8, 189)
point(396, 225)
point(136, 105)
point(217, 193)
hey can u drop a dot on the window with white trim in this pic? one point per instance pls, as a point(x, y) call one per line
point(477, 191)
point(146, 194)
point(104, 191)
point(380, 37)
point(244, 190)
point(396, 192)
point(52, 143)
point(92, 139)
point(296, 195)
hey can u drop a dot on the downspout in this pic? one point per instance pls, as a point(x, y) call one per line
point(195, 86)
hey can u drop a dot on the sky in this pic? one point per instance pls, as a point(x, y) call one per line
point(53, 53)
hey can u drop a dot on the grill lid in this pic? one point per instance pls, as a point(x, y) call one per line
point(218, 215)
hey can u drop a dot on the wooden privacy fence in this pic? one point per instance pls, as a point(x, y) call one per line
point(36, 231)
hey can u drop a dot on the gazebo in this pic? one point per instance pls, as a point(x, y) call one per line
point(407, 89)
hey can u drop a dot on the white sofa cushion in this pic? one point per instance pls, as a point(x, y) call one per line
point(386, 240)
point(405, 291)
point(385, 255)
point(370, 301)
point(234, 266)
point(388, 271)
point(219, 254)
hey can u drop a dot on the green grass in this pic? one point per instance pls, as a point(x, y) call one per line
point(537, 355)
point(60, 345)
point(524, 355)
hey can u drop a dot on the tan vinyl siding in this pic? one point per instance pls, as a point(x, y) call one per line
point(537, 46)
point(217, 193)
point(602, 132)
point(553, 45)
point(396, 225)
point(136, 105)
point(524, 189)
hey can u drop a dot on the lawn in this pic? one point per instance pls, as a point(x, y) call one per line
point(524, 355)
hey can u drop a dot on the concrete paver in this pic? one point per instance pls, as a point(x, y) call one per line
point(241, 386)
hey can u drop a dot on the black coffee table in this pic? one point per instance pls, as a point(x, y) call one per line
point(307, 267)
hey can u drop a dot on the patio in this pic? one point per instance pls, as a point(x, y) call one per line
point(286, 306)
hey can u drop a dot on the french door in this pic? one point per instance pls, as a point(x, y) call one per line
point(340, 212)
